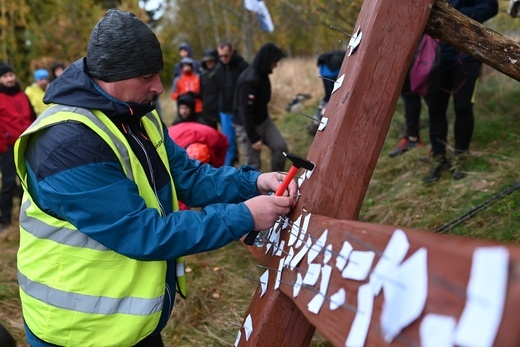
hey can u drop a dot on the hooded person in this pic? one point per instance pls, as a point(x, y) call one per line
point(185, 109)
point(254, 126)
point(185, 51)
point(188, 82)
point(102, 245)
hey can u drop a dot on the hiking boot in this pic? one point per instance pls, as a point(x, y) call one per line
point(457, 166)
point(438, 164)
point(405, 145)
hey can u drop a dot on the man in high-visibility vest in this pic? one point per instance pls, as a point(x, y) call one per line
point(101, 239)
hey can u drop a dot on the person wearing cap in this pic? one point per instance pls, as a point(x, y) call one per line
point(102, 243)
point(16, 114)
point(36, 90)
point(188, 83)
point(209, 91)
point(254, 127)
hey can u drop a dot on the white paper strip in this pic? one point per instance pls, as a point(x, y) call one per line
point(359, 265)
point(299, 256)
point(297, 285)
point(280, 248)
point(295, 231)
point(239, 335)
point(289, 257)
point(393, 255)
point(317, 247)
point(405, 295)
point(437, 331)
point(337, 299)
point(327, 254)
point(312, 275)
point(279, 273)
point(486, 294)
point(264, 281)
point(303, 231)
point(338, 83)
point(359, 329)
point(248, 326)
point(323, 123)
point(344, 254)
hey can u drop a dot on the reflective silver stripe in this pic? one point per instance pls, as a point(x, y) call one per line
point(89, 303)
point(63, 236)
point(180, 269)
point(123, 151)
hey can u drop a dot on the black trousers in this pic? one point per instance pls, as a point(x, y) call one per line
point(151, 341)
point(412, 108)
point(8, 189)
point(458, 80)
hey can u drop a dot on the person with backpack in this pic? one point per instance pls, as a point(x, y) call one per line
point(457, 77)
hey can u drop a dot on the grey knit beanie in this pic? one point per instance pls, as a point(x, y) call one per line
point(121, 46)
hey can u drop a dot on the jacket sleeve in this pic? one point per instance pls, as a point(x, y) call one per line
point(481, 10)
point(105, 205)
point(248, 107)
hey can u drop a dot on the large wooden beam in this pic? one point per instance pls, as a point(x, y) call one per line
point(346, 153)
point(467, 35)
point(449, 265)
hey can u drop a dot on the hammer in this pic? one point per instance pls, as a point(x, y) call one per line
point(297, 163)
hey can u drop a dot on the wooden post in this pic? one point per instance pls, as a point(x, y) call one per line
point(345, 155)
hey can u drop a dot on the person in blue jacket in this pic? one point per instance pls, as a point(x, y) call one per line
point(458, 75)
point(101, 238)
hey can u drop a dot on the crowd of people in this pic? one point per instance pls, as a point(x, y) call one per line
point(455, 77)
point(105, 219)
point(224, 92)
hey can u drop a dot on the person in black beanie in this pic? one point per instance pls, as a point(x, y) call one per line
point(102, 240)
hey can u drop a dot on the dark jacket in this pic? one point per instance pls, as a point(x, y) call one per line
point(254, 90)
point(479, 10)
point(226, 77)
point(209, 90)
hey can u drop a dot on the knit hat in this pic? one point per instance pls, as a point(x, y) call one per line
point(210, 54)
point(41, 74)
point(5, 68)
point(121, 46)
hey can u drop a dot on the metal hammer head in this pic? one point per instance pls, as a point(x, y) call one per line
point(300, 162)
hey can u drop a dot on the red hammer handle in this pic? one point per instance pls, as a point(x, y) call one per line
point(288, 178)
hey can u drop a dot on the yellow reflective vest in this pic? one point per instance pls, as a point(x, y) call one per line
point(74, 290)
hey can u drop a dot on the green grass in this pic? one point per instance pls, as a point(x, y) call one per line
point(219, 293)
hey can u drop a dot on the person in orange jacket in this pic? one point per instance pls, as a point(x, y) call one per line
point(188, 82)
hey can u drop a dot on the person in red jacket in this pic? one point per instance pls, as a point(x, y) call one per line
point(187, 134)
point(16, 114)
point(188, 83)
point(201, 142)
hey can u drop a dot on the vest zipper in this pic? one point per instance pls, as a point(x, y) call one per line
point(152, 178)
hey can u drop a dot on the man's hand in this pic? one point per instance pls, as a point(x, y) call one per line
point(267, 209)
point(269, 182)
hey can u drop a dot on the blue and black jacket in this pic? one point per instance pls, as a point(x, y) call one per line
point(74, 175)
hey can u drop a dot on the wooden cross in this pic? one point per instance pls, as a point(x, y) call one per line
point(345, 154)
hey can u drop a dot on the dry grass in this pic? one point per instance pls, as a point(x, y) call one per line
point(219, 295)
